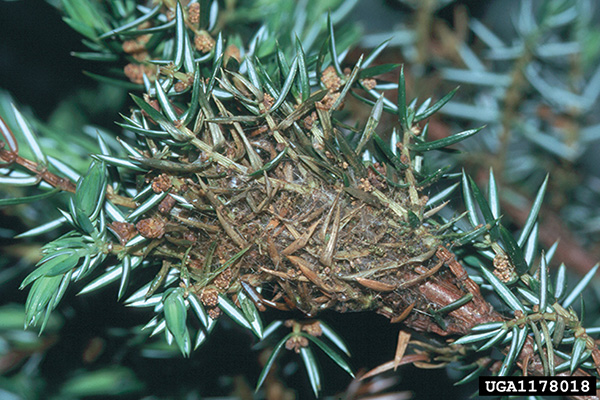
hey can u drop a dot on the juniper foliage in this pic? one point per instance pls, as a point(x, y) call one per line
point(264, 176)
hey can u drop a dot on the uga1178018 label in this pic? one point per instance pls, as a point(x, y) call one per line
point(537, 385)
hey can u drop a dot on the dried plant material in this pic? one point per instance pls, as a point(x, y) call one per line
point(214, 312)
point(298, 243)
point(376, 285)
point(151, 228)
point(424, 365)
point(423, 276)
point(327, 102)
point(296, 343)
point(310, 120)
point(403, 314)
point(268, 101)
point(331, 80)
point(167, 204)
point(326, 257)
point(403, 339)
point(181, 86)
point(210, 297)
point(390, 365)
point(162, 183)
point(365, 185)
point(309, 273)
point(124, 230)
point(313, 329)
point(223, 280)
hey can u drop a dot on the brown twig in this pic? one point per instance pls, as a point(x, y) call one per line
point(10, 157)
